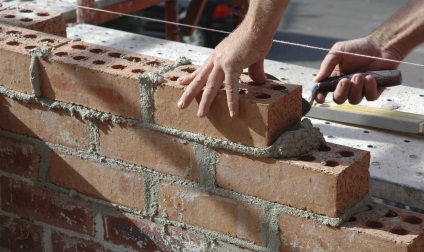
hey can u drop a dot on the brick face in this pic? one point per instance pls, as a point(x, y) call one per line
point(220, 214)
point(19, 235)
point(96, 77)
point(34, 120)
point(19, 158)
point(153, 150)
point(64, 243)
point(35, 19)
point(97, 180)
point(259, 123)
point(307, 185)
point(15, 74)
point(380, 229)
point(143, 235)
point(46, 206)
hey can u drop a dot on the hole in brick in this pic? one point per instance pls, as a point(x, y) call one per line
point(13, 32)
point(43, 14)
point(263, 96)
point(413, 220)
point(25, 11)
point(26, 19)
point(243, 91)
point(30, 36)
point(153, 63)
point(188, 69)
point(374, 224)
point(331, 163)
point(366, 131)
point(47, 40)
point(60, 54)
point(278, 88)
point(12, 43)
point(96, 50)
point(346, 153)
point(173, 78)
point(307, 158)
point(79, 57)
point(115, 55)
point(118, 67)
point(9, 16)
point(98, 62)
point(324, 148)
point(406, 141)
point(352, 219)
point(137, 71)
point(391, 214)
point(399, 231)
point(134, 59)
point(79, 47)
point(30, 47)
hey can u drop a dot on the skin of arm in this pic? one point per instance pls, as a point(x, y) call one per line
point(245, 47)
point(394, 39)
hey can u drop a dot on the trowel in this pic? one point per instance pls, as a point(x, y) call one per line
point(386, 78)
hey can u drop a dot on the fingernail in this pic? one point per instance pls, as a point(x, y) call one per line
point(232, 114)
point(180, 104)
point(181, 79)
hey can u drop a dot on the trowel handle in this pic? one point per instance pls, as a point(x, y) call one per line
point(387, 78)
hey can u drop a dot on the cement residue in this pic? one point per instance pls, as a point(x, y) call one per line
point(147, 83)
point(179, 62)
point(297, 141)
point(34, 69)
point(206, 162)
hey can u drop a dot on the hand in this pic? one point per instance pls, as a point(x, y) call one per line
point(241, 49)
point(355, 89)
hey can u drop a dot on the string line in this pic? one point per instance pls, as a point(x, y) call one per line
point(225, 32)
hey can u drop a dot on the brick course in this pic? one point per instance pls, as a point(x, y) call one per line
point(95, 179)
point(34, 120)
point(19, 235)
point(322, 181)
point(150, 149)
point(226, 216)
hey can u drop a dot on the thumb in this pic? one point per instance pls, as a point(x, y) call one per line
point(328, 65)
point(257, 73)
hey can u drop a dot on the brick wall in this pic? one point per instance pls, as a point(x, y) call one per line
point(94, 156)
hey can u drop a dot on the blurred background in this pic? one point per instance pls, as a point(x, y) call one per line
point(318, 23)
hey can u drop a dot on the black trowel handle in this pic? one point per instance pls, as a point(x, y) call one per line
point(386, 78)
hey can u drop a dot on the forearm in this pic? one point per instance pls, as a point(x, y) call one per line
point(404, 31)
point(263, 18)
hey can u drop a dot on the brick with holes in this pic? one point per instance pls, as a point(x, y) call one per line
point(326, 181)
point(97, 77)
point(266, 111)
point(376, 227)
point(35, 19)
point(15, 73)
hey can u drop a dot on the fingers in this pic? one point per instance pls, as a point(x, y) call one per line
point(211, 89)
point(341, 94)
point(372, 93)
point(232, 89)
point(257, 73)
point(329, 63)
point(356, 87)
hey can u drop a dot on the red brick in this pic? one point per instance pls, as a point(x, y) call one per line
point(380, 229)
point(47, 206)
point(265, 111)
point(64, 243)
point(35, 19)
point(34, 120)
point(19, 158)
point(95, 179)
point(35, 37)
point(15, 74)
point(153, 150)
point(96, 77)
point(316, 186)
point(19, 235)
point(143, 235)
point(197, 208)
